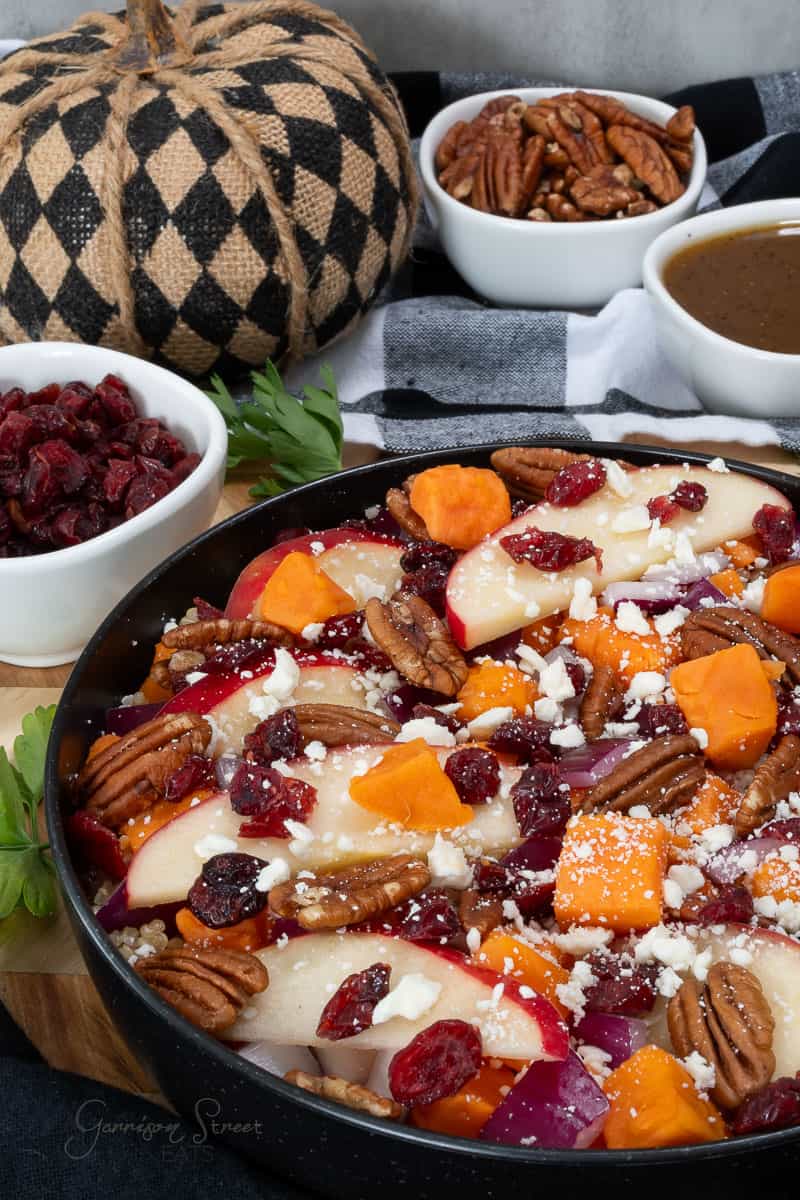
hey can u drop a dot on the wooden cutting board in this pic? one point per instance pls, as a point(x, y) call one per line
point(43, 981)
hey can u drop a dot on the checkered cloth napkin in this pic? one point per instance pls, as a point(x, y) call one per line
point(435, 366)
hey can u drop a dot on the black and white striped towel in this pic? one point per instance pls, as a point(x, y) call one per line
point(434, 366)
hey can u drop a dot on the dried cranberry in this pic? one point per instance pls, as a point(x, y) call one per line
point(654, 720)
point(662, 509)
point(46, 395)
point(621, 986)
point(50, 422)
point(474, 773)
point(691, 496)
point(336, 632)
point(95, 843)
point(10, 476)
point(276, 737)
point(115, 399)
point(225, 892)
point(733, 905)
point(775, 527)
point(430, 584)
point(269, 799)
point(519, 507)
point(575, 483)
point(236, 655)
point(788, 714)
point(436, 1063)
point(143, 492)
point(12, 401)
point(447, 720)
point(68, 467)
point(117, 478)
point(207, 611)
point(577, 675)
point(500, 649)
point(776, 1106)
point(39, 484)
point(350, 1008)
point(429, 917)
point(540, 806)
point(17, 434)
point(184, 467)
point(289, 535)
point(524, 737)
point(197, 772)
point(367, 656)
point(384, 523)
point(75, 399)
point(492, 878)
point(161, 445)
point(6, 526)
point(427, 554)
point(550, 551)
point(64, 529)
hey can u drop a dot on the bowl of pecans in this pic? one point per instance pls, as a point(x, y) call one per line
point(551, 199)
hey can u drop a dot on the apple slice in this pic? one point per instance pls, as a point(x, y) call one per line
point(304, 974)
point(227, 696)
point(775, 961)
point(167, 864)
point(362, 563)
point(489, 595)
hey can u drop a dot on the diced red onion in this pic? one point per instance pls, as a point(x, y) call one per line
point(586, 765)
point(618, 1036)
point(702, 566)
point(787, 829)
point(279, 1059)
point(115, 913)
point(565, 653)
point(656, 596)
point(402, 700)
point(225, 768)
point(499, 649)
point(702, 590)
point(740, 858)
point(378, 1081)
point(129, 716)
point(554, 1106)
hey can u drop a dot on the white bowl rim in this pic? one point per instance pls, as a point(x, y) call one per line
point(200, 478)
point(694, 186)
point(741, 217)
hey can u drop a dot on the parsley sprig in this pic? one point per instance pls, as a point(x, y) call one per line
point(300, 439)
point(27, 876)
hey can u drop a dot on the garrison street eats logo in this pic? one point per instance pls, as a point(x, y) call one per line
point(175, 1140)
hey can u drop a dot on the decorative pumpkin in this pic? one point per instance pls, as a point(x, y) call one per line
point(210, 187)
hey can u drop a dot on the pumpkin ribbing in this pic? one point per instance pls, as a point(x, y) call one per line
point(249, 202)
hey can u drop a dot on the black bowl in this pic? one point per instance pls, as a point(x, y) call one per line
point(329, 1148)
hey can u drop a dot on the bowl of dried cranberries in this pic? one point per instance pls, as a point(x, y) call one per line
point(107, 465)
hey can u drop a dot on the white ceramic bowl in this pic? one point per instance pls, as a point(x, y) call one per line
point(727, 376)
point(531, 264)
point(51, 604)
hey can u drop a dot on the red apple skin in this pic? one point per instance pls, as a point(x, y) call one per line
point(204, 696)
point(251, 581)
point(457, 627)
point(555, 1036)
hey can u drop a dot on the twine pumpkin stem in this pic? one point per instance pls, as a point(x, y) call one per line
point(150, 40)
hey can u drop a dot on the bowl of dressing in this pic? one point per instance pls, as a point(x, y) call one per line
point(725, 293)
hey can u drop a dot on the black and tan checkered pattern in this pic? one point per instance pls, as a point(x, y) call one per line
point(210, 283)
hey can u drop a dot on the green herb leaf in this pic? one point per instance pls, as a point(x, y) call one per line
point(298, 439)
point(27, 877)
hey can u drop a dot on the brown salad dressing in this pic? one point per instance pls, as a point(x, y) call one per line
point(744, 285)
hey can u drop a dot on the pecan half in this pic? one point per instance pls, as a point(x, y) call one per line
point(532, 166)
point(775, 778)
point(418, 643)
point(458, 179)
point(717, 628)
point(498, 181)
point(527, 470)
point(350, 895)
point(730, 1024)
point(129, 776)
point(680, 126)
point(448, 146)
point(566, 128)
point(208, 986)
point(352, 1095)
point(681, 155)
point(601, 191)
point(663, 774)
point(201, 634)
point(562, 209)
point(602, 702)
point(337, 725)
point(646, 158)
point(399, 506)
point(613, 112)
point(483, 913)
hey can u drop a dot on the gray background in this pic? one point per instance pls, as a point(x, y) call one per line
point(643, 45)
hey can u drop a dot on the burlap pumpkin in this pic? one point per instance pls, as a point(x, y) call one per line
point(229, 184)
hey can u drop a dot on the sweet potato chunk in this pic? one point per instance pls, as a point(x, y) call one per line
point(460, 505)
point(495, 685)
point(611, 872)
point(300, 593)
point(654, 1102)
point(408, 787)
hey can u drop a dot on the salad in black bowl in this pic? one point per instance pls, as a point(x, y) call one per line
point(464, 826)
